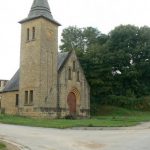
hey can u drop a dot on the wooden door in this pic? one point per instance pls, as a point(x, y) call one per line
point(72, 103)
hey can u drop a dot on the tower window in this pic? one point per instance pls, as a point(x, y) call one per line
point(17, 99)
point(69, 74)
point(31, 97)
point(78, 76)
point(26, 97)
point(33, 33)
point(74, 65)
point(28, 34)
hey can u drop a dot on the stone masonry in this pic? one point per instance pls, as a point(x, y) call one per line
point(48, 84)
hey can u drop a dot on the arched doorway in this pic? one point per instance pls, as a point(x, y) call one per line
point(71, 100)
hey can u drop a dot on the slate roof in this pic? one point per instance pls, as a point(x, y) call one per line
point(61, 59)
point(13, 84)
point(40, 8)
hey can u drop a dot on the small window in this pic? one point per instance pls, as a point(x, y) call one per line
point(69, 74)
point(33, 33)
point(26, 97)
point(28, 34)
point(0, 84)
point(78, 76)
point(74, 65)
point(31, 97)
point(17, 99)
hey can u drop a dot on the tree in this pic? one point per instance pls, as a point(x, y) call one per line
point(130, 47)
point(114, 64)
point(78, 39)
point(89, 44)
point(72, 39)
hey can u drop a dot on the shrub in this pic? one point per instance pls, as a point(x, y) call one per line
point(142, 103)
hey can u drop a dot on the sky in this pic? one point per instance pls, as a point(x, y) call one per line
point(102, 14)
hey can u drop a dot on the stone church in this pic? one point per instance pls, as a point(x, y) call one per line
point(48, 83)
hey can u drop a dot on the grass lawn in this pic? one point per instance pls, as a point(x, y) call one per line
point(2, 146)
point(117, 117)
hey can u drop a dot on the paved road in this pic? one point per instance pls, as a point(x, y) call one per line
point(30, 138)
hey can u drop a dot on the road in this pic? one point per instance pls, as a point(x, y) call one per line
point(32, 138)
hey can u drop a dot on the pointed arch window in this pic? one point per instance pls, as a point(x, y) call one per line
point(26, 97)
point(78, 76)
point(28, 34)
point(17, 100)
point(33, 33)
point(69, 74)
point(74, 66)
point(31, 97)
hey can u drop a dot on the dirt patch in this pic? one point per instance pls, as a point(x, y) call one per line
point(9, 146)
point(91, 145)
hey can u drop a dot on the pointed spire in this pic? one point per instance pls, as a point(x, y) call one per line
point(40, 8)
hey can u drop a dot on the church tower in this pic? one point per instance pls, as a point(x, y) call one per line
point(38, 62)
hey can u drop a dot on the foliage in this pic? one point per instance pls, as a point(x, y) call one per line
point(142, 103)
point(116, 65)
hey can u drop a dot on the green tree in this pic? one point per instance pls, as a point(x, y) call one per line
point(114, 64)
point(89, 45)
point(72, 39)
point(78, 39)
point(129, 47)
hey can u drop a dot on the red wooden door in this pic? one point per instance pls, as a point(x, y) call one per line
point(72, 103)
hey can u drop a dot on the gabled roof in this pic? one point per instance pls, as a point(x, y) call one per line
point(13, 84)
point(40, 8)
point(62, 57)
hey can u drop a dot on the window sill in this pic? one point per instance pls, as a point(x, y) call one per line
point(28, 104)
point(27, 41)
point(33, 40)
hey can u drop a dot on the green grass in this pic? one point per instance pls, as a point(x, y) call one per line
point(115, 117)
point(2, 146)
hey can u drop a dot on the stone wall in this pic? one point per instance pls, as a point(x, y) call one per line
point(38, 64)
point(38, 112)
point(8, 103)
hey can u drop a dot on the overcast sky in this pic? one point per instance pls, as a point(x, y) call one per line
point(103, 14)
